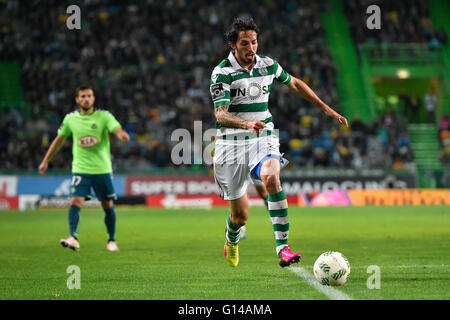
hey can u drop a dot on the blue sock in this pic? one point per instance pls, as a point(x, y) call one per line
point(74, 220)
point(110, 221)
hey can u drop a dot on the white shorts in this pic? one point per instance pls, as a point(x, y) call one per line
point(256, 181)
point(235, 159)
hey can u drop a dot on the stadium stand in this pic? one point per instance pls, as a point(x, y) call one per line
point(406, 28)
point(402, 21)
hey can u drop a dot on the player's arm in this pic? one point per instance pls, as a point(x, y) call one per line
point(54, 148)
point(122, 135)
point(226, 119)
point(302, 89)
point(113, 126)
point(220, 93)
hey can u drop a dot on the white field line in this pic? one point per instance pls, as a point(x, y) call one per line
point(330, 292)
point(407, 266)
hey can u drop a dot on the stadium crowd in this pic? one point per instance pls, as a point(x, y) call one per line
point(401, 22)
point(381, 144)
point(444, 140)
point(150, 62)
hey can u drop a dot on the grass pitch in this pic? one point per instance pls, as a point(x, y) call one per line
point(178, 254)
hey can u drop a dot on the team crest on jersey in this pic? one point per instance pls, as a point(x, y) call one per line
point(87, 141)
point(94, 126)
point(263, 71)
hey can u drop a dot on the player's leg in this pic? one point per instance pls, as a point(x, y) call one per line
point(235, 222)
point(237, 219)
point(262, 192)
point(278, 210)
point(104, 189)
point(233, 181)
point(110, 222)
point(74, 215)
point(74, 224)
point(80, 188)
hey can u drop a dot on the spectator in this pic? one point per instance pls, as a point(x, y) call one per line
point(444, 135)
point(444, 156)
point(415, 107)
point(430, 105)
point(444, 123)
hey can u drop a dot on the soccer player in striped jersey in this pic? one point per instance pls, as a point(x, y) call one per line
point(91, 166)
point(246, 145)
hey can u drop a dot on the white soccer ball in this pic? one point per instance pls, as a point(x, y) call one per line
point(332, 268)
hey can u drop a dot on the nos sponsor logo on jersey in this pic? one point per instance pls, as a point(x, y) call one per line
point(87, 141)
point(253, 91)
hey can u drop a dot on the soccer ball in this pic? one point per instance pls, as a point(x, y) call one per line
point(332, 268)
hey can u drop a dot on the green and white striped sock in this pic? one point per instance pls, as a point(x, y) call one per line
point(232, 232)
point(278, 210)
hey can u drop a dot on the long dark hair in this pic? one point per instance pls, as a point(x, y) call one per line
point(238, 25)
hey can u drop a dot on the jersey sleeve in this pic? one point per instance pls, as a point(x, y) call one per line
point(219, 88)
point(111, 122)
point(281, 75)
point(64, 130)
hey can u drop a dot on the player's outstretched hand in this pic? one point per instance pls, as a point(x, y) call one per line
point(43, 167)
point(125, 137)
point(342, 120)
point(330, 112)
point(122, 135)
point(254, 126)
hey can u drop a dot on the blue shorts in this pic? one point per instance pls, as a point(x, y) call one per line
point(255, 173)
point(101, 183)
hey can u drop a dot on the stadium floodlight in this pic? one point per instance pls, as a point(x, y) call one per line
point(403, 73)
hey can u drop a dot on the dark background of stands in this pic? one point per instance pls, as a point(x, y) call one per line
point(150, 63)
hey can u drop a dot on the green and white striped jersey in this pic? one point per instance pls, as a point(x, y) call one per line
point(245, 91)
